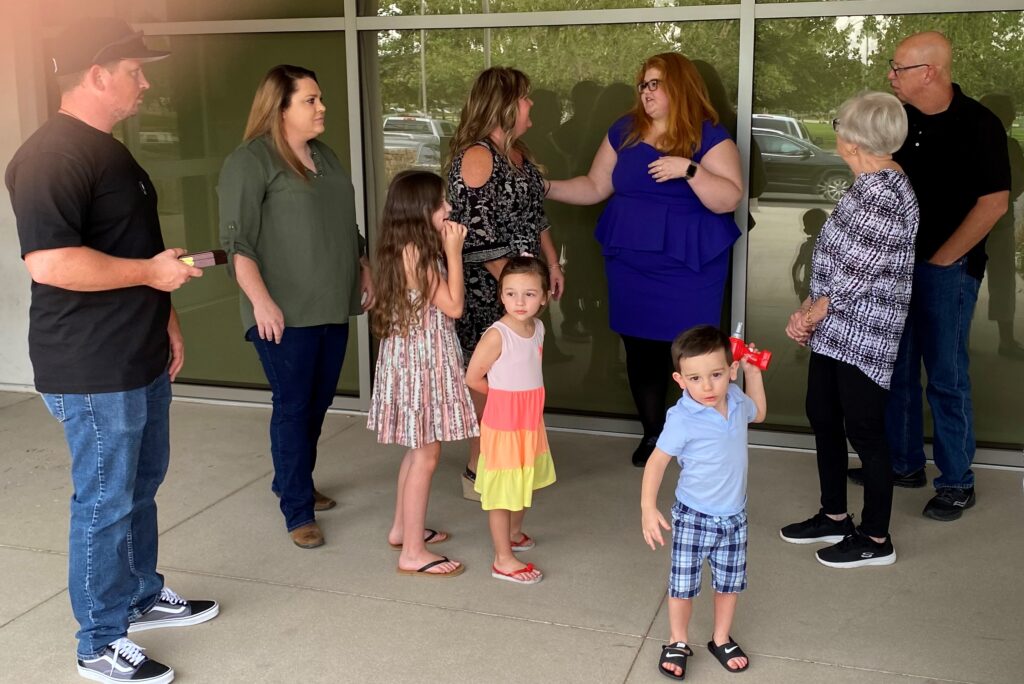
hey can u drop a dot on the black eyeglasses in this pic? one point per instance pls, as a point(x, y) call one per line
point(897, 69)
point(835, 124)
point(651, 85)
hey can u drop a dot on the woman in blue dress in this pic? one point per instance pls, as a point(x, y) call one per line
point(673, 175)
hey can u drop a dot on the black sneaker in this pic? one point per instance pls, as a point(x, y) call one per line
point(856, 551)
point(820, 528)
point(913, 480)
point(171, 610)
point(124, 661)
point(949, 503)
point(644, 450)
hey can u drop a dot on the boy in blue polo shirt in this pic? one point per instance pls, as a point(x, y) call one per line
point(706, 431)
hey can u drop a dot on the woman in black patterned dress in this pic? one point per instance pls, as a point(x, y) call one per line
point(497, 192)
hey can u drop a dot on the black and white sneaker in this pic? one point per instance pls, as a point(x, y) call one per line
point(124, 661)
point(820, 528)
point(856, 551)
point(949, 504)
point(171, 610)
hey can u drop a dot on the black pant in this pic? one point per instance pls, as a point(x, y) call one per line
point(844, 403)
point(649, 369)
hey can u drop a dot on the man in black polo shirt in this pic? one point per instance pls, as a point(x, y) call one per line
point(104, 341)
point(955, 155)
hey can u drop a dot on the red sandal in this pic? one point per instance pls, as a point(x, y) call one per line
point(516, 576)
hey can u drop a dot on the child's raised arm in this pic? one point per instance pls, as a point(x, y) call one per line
point(450, 295)
point(651, 519)
point(487, 351)
point(754, 387)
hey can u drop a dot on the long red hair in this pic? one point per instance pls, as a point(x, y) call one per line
point(688, 105)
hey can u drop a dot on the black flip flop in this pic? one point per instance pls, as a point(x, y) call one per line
point(674, 654)
point(726, 652)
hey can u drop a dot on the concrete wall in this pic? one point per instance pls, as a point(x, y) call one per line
point(20, 110)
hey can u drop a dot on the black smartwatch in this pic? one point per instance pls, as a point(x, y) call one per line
point(691, 171)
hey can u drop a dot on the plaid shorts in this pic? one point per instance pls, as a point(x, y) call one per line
point(722, 540)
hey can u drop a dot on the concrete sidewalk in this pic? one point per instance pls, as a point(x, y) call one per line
point(950, 609)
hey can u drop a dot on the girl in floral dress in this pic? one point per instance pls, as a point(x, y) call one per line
point(419, 396)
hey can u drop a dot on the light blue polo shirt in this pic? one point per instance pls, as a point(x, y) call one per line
point(712, 452)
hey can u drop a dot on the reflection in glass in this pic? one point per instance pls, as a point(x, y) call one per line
point(391, 8)
point(582, 79)
point(804, 69)
point(192, 117)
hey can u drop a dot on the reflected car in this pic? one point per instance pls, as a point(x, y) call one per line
point(424, 136)
point(796, 166)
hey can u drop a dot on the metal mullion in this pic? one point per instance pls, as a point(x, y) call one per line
point(640, 15)
point(810, 10)
point(744, 110)
point(355, 147)
point(188, 28)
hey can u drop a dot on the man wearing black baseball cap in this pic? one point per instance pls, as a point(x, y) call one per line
point(104, 341)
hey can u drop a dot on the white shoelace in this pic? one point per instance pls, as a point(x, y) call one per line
point(129, 650)
point(168, 596)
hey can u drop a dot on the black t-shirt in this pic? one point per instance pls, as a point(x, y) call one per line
point(952, 158)
point(73, 185)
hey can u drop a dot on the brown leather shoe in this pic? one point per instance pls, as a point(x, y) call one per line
point(308, 536)
point(322, 502)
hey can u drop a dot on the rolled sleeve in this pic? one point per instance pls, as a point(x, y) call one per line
point(241, 190)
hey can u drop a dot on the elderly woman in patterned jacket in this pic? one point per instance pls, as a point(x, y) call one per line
point(861, 276)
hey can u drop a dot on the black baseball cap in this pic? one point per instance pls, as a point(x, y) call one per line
point(98, 41)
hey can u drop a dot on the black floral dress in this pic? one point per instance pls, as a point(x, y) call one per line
point(504, 217)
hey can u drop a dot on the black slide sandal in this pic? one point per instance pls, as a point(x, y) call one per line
point(674, 654)
point(726, 652)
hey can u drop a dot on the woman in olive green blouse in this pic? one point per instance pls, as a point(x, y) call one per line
point(288, 223)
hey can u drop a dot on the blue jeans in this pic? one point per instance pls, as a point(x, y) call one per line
point(303, 371)
point(120, 447)
point(937, 331)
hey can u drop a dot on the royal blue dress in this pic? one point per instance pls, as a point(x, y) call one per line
point(666, 254)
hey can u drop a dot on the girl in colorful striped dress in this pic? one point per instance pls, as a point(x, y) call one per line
point(514, 455)
point(419, 393)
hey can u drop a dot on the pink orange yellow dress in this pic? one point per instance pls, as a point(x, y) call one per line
point(515, 458)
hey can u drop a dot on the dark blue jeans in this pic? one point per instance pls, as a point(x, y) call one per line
point(303, 371)
point(120, 448)
point(937, 332)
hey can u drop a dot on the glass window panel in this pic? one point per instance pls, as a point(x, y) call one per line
point(192, 118)
point(390, 8)
point(804, 69)
point(582, 79)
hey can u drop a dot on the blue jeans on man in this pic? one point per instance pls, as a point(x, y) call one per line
point(303, 370)
point(937, 331)
point(120, 448)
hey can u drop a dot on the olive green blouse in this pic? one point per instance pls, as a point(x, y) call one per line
point(301, 233)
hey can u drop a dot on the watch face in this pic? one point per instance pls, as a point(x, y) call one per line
point(691, 170)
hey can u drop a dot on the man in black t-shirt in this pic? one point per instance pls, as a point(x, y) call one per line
point(104, 341)
point(955, 156)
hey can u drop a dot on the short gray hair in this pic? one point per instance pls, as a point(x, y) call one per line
point(872, 120)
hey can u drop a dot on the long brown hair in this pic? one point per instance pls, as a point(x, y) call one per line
point(273, 97)
point(688, 106)
point(493, 102)
point(412, 197)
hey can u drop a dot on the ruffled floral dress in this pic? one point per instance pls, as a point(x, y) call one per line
point(419, 392)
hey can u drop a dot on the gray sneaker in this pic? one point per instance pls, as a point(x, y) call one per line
point(124, 661)
point(171, 610)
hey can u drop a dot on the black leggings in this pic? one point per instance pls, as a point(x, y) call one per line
point(843, 402)
point(649, 368)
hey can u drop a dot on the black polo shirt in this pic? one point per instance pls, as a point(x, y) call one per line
point(75, 186)
point(952, 158)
